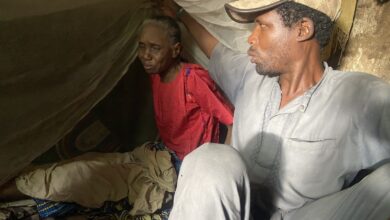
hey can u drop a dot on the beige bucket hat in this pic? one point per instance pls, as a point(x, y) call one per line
point(245, 11)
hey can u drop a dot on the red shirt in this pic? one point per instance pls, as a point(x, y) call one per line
point(188, 109)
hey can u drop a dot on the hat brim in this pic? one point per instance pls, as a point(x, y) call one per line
point(248, 15)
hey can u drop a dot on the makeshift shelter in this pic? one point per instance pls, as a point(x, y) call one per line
point(68, 68)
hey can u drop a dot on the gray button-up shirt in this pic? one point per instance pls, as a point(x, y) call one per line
point(314, 145)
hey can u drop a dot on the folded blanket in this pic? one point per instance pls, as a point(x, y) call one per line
point(144, 176)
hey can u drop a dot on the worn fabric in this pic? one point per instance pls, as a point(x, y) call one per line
point(368, 199)
point(19, 212)
point(58, 59)
point(143, 175)
point(46, 208)
point(317, 143)
point(189, 109)
point(212, 184)
point(110, 210)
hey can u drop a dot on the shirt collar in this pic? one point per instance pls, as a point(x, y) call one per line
point(309, 93)
point(302, 102)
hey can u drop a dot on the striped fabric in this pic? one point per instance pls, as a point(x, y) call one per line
point(48, 208)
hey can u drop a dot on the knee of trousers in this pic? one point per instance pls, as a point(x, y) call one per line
point(378, 182)
point(382, 173)
point(216, 163)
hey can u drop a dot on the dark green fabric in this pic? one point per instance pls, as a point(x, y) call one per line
point(57, 60)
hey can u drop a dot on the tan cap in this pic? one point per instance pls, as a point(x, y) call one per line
point(245, 11)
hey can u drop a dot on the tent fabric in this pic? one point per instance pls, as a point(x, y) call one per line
point(212, 15)
point(58, 59)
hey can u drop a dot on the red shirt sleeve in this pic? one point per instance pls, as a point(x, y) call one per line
point(208, 96)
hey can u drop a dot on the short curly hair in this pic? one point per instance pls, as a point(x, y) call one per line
point(292, 12)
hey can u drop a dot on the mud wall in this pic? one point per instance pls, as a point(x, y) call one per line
point(368, 49)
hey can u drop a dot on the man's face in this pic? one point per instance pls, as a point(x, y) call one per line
point(155, 49)
point(270, 44)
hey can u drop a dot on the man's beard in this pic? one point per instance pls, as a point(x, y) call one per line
point(266, 71)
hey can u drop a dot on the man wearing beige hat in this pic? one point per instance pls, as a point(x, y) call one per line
point(303, 133)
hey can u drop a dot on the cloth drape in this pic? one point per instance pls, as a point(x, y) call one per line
point(212, 15)
point(57, 60)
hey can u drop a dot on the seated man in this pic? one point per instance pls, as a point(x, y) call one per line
point(188, 110)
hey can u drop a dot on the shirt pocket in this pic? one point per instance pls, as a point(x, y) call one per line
point(310, 161)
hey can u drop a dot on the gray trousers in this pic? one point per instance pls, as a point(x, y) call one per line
point(213, 184)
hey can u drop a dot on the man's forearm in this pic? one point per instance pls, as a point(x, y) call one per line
point(204, 39)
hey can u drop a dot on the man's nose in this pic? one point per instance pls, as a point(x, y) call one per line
point(251, 39)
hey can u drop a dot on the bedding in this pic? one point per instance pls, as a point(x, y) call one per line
point(132, 184)
point(110, 211)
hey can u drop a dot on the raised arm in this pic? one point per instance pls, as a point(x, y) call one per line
point(204, 39)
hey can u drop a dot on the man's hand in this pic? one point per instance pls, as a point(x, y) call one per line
point(204, 39)
point(169, 8)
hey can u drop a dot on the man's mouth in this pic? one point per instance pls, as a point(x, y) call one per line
point(251, 55)
point(252, 58)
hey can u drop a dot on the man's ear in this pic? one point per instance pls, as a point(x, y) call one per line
point(176, 49)
point(305, 29)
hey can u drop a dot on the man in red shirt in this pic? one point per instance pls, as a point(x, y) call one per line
point(188, 110)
